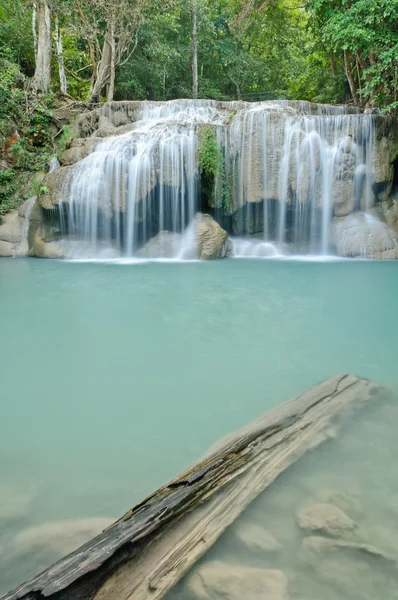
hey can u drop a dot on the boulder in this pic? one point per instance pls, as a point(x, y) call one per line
point(220, 581)
point(203, 239)
point(364, 235)
point(255, 537)
point(211, 238)
point(11, 229)
point(327, 519)
point(165, 244)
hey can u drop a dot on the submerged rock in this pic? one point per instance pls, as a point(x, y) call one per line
point(364, 235)
point(326, 518)
point(220, 581)
point(57, 538)
point(318, 546)
point(255, 537)
point(15, 502)
point(348, 501)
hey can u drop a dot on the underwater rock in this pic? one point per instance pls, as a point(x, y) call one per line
point(220, 581)
point(15, 502)
point(318, 546)
point(347, 501)
point(255, 537)
point(325, 518)
point(56, 538)
point(364, 235)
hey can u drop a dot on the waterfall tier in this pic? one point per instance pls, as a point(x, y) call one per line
point(281, 169)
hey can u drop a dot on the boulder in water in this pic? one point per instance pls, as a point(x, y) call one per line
point(57, 538)
point(211, 238)
point(165, 244)
point(364, 235)
point(204, 239)
point(221, 581)
point(56, 185)
point(255, 537)
point(325, 518)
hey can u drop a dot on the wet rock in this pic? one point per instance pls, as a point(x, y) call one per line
point(80, 148)
point(255, 537)
point(364, 235)
point(211, 239)
point(220, 581)
point(11, 228)
point(165, 244)
point(57, 184)
point(326, 518)
point(57, 538)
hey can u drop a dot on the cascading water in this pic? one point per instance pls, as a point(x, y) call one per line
point(287, 169)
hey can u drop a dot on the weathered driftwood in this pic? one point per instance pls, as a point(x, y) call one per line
point(153, 545)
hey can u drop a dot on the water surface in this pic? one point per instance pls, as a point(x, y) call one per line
point(116, 377)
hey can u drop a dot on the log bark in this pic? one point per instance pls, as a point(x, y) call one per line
point(42, 76)
point(146, 552)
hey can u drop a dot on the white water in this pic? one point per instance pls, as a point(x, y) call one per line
point(292, 165)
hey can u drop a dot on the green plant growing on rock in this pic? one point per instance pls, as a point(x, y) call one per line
point(208, 152)
point(67, 136)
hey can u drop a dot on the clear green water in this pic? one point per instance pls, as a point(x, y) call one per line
point(116, 377)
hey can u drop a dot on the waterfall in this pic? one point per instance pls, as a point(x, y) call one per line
point(287, 169)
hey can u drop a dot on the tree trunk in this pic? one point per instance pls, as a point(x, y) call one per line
point(194, 50)
point(42, 76)
point(111, 90)
point(104, 69)
point(60, 55)
point(34, 27)
point(332, 62)
point(350, 77)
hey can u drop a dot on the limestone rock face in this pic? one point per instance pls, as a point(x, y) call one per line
point(364, 235)
point(80, 148)
point(14, 230)
point(221, 581)
point(255, 537)
point(57, 185)
point(325, 518)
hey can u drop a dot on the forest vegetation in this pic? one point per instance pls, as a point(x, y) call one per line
point(57, 52)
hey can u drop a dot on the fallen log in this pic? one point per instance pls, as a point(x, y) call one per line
point(146, 552)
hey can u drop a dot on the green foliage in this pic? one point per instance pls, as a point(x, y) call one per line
point(208, 153)
point(7, 191)
point(67, 136)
